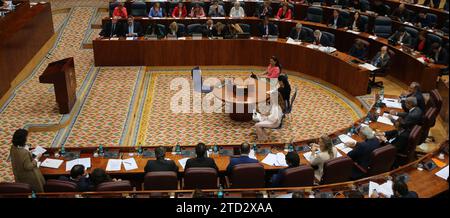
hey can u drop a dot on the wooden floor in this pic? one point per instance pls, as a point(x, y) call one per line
point(439, 131)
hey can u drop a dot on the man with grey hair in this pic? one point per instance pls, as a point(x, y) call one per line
point(299, 33)
point(413, 91)
point(363, 150)
point(412, 117)
point(321, 39)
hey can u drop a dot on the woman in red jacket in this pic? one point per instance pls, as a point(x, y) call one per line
point(179, 11)
point(284, 12)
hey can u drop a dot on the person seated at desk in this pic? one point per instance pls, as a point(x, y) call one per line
point(133, 28)
point(154, 29)
point(267, 28)
point(273, 70)
point(401, 37)
point(284, 90)
point(401, 190)
point(197, 11)
point(220, 30)
point(234, 30)
point(156, 10)
point(179, 11)
point(284, 12)
point(320, 39)
point(422, 21)
point(422, 42)
point(216, 10)
point(292, 160)
point(237, 11)
point(362, 151)
point(357, 24)
point(355, 4)
point(320, 153)
point(432, 3)
point(264, 10)
point(79, 176)
point(201, 160)
point(24, 165)
point(413, 91)
point(160, 164)
point(380, 8)
point(173, 30)
point(3, 4)
point(113, 28)
point(336, 21)
point(401, 14)
point(413, 115)
point(271, 120)
point(242, 159)
point(438, 55)
point(397, 137)
point(297, 33)
point(120, 11)
point(381, 59)
point(208, 28)
point(99, 176)
point(359, 49)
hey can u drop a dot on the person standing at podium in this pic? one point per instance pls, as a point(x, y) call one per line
point(273, 70)
point(112, 28)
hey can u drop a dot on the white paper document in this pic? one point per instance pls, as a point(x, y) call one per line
point(373, 37)
point(38, 151)
point(392, 103)
point(385, 188)
point(129, 164)
point(385, 120)
point(270, 159)
point(183, 162)
point(343, 148)
point(354, 32)
point(281, 160)
point(252, 154)
point(289, 195)
point(443, 173)
point(130, 38)
point(181, 38)
point(393, 116)
point(51, 163)
point(368, 66)
point(86, 162)
point(114, 165)
point(307, 156)
point(312, 46)
point(114, 38)
point(345, 138)
point(292, 41)
point(421, 59)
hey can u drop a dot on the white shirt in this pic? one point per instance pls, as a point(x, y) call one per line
point(276, 114)
point(237, 12)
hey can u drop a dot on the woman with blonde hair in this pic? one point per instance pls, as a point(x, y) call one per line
point(320, 153)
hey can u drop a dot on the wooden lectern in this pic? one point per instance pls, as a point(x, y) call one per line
point(62, 74)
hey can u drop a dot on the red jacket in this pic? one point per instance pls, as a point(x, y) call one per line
point(288, 15)
point(176, 12)
point(120, 13)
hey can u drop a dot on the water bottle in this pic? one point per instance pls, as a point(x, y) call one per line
point(63, 151)
point(382, 93)
point(367, 120)
point(254, 147)
point(220, 192)
point(290, 147)
point(215, 148)
point(33, 194)
point(101, 152)
point(139, 151)
point(178, 148)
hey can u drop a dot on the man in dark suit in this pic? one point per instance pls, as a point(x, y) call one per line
point(264, 10)
point(397, 137)
point(298, 33)
point(380, 8)
point(381, 59)
point(160, 164)
point(401, 13)
point(112, 28)
point(208, 28)
point(401, 190)
point(414, 91)
point(201, 160)
point(244, 158)
point(320, 39)
point(336, 21)
point(133, 28)
point(267, 28)
point(402, 37)
point(412, 117)
point(78, 175)
point(438, 55)
point(292, 160)
point(363, 150)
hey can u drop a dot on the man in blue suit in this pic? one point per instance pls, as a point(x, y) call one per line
point(243, 159)
point(267, 28)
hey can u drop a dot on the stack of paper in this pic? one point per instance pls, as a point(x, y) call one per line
point(343, 148)
point(392, 103)
point(308, 155)
point(38, 151)
point(129, 164)
point(292, 41)
point(328, 50)
point(354, 32)
point(114, 165)
point(181, 38)
point(114, 38)
point(277, 160)
point(385, 188)
point(385, 120)
point(368, 66)
point(345, 138)
point(281, 160)
point(183, 162)
point(373, 37)
point(252, 154)
point(312, 46)
point(86, 162)
point(51, 163)
point(130, 38)
point(443, 173)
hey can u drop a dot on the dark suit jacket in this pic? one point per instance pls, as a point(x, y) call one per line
point(420, 101)
point(324, 41)
point(107, 30)
point(384, 61)
point(402, 15)
point(239, 160)
point(154, 29)
point(442, 57)
point(411, 118)
point(259, 10)
point(225, 32)
point(83, 184)
point(339, 23)
point(359, 23)
point(361, 153)
point(272, 29)
point(201, 162)
point(407, 39)
point(160, 165)
point(137, 29)
point(304, 35)
point(398, 139)
point(411, 194)
point(358, 53)
point(207, 31)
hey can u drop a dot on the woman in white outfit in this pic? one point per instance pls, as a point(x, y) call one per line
point(320, 153)
point(271, 120)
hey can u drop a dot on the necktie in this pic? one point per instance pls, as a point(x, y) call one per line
point(298, 35)
point(113, 29)
point(267, 30)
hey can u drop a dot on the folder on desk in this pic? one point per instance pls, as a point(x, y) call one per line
point(114, 165)
point(51, 163)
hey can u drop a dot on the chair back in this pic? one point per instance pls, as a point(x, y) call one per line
point(382, 26)
point(345, 15)
point(55, 185)
point(14, 187)
point(329, 36)
point(194, 28)
point(432, 18)
point(436, 100)
point(432, 38)
point(200, 178)
point(298, 176)
point(381, 160)
point(294, 96)
point(410, 151)
point(365, 5)
point(248, 176)
point(165, 180)
point(365, 22)
point(245, 27)
point(123, 185)
point(314, 14)
point(139, 9)
point(429, 120)
point(337, 170)
point(414, 35)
